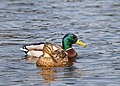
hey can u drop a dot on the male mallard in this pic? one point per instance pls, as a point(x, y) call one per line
point(36, 50)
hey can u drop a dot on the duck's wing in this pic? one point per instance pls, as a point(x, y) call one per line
point(34, 53)
point(36, 49)
point(33, 47)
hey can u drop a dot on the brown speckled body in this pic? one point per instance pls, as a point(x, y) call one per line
point(48, 62)
point(51, 57)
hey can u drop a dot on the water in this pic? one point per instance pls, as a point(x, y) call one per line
point(96, 22)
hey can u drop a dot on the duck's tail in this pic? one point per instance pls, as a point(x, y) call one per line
point(24, 49)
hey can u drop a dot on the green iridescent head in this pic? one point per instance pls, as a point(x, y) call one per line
point(70, 39)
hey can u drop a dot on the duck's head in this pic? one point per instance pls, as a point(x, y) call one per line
point(70, 39)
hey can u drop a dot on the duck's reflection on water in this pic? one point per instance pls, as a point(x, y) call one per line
point(47, 73)
point(53, 73)
point(50, 73)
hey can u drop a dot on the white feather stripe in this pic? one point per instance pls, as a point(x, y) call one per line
point(35, 53)
point(34, 47)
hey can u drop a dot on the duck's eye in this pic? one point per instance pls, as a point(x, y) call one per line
point(73, 37)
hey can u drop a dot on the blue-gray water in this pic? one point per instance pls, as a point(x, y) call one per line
point(96, 22)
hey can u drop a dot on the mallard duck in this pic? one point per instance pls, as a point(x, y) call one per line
point(51, 57)
point(36, 50)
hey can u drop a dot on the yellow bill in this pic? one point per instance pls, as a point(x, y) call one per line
point(81, 43)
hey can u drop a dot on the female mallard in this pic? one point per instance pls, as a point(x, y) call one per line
point(36, 50)
point(51, 57)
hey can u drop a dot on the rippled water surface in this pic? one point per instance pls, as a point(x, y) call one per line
point(96, 22)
